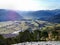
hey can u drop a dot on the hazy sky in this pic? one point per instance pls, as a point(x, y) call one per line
point(28, 5)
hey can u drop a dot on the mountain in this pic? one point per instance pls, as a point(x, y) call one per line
point(45, 15)
point(9, 15)
point(56, 18)
point(36, 14)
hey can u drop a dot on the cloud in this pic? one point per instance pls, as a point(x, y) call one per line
point(29, 4)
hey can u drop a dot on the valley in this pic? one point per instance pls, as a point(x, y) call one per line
point(11, 26)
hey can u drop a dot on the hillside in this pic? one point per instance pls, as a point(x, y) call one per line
point(9, 15)
point(45, 15)
point(56, 18)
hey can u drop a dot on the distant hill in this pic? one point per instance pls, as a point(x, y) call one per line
point(9, 15)
point(46, 15)
point(37, 14)
point(56, 18)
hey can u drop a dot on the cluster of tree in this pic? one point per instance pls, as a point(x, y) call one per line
point(30, 36)
point(25, 36)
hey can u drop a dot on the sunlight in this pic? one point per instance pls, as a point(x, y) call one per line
point(29, 5)
point(19, 4)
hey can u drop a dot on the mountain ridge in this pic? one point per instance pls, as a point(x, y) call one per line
point(45, 15)
point(9, 15)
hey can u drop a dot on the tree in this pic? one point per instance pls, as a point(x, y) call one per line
point(37, 35)
point(44, 35)
point(55, 35)
point(2, 40)
point(25, 36)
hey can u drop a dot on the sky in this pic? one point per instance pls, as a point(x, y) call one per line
point(29, 5)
